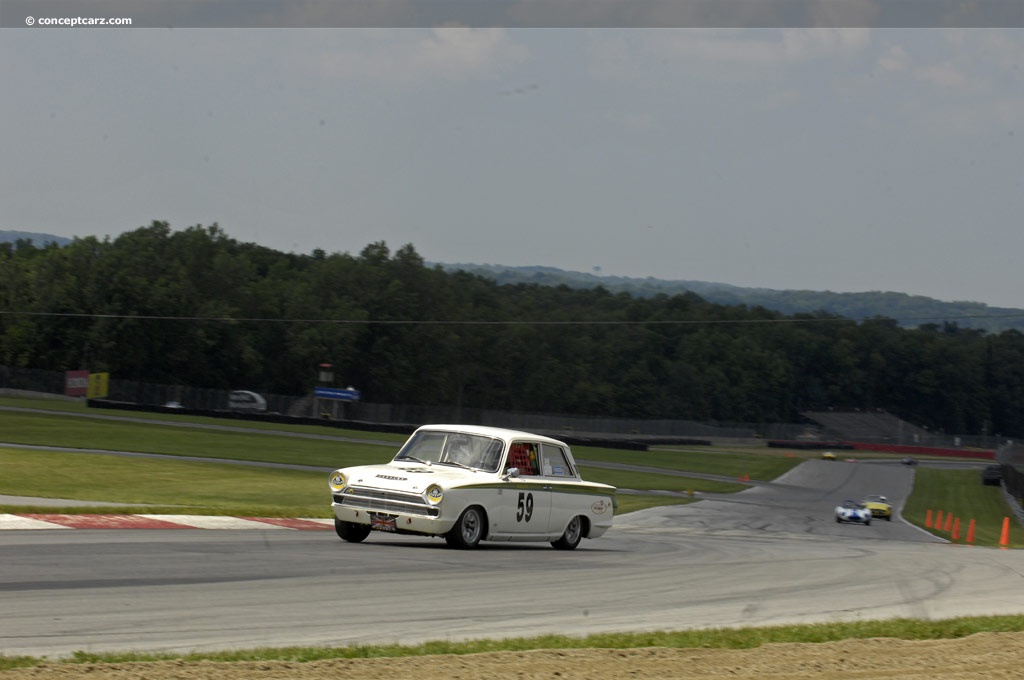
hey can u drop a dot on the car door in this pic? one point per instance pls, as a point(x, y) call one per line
point(556, 468)
point(526, 498)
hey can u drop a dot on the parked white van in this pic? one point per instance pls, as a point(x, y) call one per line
point(244, 400)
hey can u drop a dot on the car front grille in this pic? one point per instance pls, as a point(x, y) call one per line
point(385, 501)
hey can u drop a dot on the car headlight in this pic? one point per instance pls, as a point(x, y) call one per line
point(337, 481)
point(434, 494)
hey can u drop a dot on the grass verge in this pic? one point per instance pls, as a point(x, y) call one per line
point(224, 441)
point(716, 638)
point(762, 463)
point(189, 486)
point(961, 498)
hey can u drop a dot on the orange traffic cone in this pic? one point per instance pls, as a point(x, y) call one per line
point(928, 519)
point(949, 522)
point(1004, 537)
point(970, 532)
point(938, 520)
point(956, 529)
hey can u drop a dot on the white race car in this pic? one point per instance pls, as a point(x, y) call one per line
point(468, 484)
point(852, 511)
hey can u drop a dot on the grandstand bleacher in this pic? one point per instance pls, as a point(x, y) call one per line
point(879, 427)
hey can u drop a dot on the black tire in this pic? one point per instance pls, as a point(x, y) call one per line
point(868, 523)
point(468, 530)
point(572, 536)
point(353, 533)
point(888, 518)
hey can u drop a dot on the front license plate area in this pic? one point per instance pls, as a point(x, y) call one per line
point(379, 522)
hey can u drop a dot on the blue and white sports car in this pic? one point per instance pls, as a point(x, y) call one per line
point(852, 511)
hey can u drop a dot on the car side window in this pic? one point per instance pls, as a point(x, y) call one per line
point(523, 456)
point(554, 462)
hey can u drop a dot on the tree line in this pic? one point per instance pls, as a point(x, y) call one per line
point(196, 307)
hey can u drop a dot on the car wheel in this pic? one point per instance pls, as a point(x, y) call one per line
point(468, 530)
point(867, 523)
point(348, 531)
point(888, 518)
point(572, 536)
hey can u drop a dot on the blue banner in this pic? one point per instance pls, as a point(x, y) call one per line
point(341, 394)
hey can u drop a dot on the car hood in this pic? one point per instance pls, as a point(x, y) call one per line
point(413, 476)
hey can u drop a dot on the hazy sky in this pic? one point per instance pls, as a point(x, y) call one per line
point(827, 159)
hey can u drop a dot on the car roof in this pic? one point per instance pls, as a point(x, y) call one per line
point(488, 431)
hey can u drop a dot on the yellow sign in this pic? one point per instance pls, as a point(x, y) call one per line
point(99, 385)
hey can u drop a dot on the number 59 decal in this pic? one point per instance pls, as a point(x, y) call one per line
point(525, 509)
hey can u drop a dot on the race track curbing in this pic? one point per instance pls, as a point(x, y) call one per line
point(33, 521)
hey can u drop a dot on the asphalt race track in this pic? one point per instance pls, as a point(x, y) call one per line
point(770, 555)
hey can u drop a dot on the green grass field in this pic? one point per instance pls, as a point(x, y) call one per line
point(170, 485)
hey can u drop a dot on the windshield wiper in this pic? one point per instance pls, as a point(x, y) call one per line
point(456, 464)
point(417, 460)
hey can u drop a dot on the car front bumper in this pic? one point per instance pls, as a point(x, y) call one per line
point(394, 511)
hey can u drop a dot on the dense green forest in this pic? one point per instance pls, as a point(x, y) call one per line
point(196, 307)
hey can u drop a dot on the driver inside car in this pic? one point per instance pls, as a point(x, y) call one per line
point(460, 451)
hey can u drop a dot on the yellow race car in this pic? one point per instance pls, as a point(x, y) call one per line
point(879, 507)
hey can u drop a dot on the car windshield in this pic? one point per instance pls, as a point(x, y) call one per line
point(457, 449)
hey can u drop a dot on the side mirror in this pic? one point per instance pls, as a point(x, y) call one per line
point(511, 473)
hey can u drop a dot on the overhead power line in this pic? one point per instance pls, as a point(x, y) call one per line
point(515, 322)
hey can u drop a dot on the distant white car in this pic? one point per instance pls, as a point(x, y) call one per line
point(246, 400)
point(852, 511)
point(468, 484)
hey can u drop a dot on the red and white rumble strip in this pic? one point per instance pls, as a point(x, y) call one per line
point(56, 521)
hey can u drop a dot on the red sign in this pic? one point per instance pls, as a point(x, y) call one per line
point(76, 383)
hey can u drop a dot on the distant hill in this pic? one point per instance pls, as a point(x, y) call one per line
point(908, 310)
point(38, 240)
